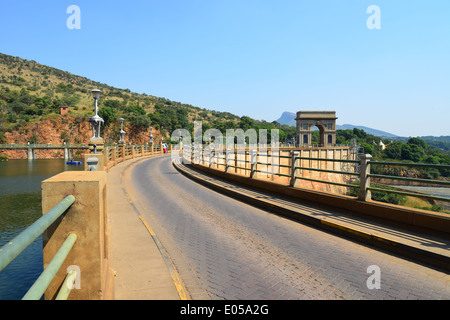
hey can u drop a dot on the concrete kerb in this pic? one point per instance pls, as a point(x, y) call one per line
point(418, 253)
point(144, 269)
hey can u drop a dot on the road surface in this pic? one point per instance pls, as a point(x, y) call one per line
point(226, 249)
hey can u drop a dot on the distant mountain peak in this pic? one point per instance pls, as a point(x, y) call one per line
point(288, 118)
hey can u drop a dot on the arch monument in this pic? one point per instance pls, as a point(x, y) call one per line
point(324, 120)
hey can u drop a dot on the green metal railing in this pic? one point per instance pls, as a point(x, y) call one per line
point(16, 246)
point(408, 164)
point(223, 161)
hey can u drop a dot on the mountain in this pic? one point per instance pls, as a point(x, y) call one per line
point(288, 118)
point(374, 132)
point(31, 95)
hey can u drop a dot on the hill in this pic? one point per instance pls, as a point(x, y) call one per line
point(31, 95)
point(288, 118)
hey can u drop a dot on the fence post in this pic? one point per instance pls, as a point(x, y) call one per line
point(100, 161)
point(88, 218)
point(227, 158)
point(294, 159)
point(211, 156)
point(114, 154)
point(253, 160)
point(123, 151)
point(364, 193)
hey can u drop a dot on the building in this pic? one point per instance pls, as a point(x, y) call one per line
point(64, 110)
point(325, 121)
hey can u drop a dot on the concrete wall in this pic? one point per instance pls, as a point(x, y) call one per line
point(433, 222)
point(88, 218)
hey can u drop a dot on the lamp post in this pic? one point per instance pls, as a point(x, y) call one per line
point(121, 132)
point(151, 135)
point(96, 142)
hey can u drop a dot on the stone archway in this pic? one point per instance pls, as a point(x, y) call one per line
point(324, 120)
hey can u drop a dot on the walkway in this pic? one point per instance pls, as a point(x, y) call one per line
point(141, 269)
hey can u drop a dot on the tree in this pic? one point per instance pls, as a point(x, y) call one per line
point(368, 148)
point(394, 151)
point(17, 107)
point(70, 100)
point(418, 142)
point(108, 114)
point(412, 152)
point(115, 104)
point(246, 123)
point(139, 121)
point(137, 110)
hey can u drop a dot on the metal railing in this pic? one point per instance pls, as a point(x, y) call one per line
point(360, 168)
point(426, 181)
point(13, 248)
point(117, 153)
point(42, 146)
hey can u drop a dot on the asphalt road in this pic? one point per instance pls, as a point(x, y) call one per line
point(226, 249)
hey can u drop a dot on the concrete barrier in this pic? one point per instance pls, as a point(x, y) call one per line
point(88, 218)
point(430, 222)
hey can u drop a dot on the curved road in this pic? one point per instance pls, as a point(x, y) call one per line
point(226, 249)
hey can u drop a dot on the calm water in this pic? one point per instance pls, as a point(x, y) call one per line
point(20, 206)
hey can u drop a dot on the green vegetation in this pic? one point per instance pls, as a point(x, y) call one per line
point(411, 150)
point(32, 92)
point(381, 196)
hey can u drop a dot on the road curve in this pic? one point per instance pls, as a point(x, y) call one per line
point(226, 249)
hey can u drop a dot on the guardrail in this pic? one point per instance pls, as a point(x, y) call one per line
point(112, 155)
point(43, 146)
point(427, 181)
point(293, 169)
point(12, 249)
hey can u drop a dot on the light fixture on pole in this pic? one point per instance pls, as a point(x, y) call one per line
point(121, 132)
point(96, 121)
point(151, 135)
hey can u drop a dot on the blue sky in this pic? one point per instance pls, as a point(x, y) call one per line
point(255, 57)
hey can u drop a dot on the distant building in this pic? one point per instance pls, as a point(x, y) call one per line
point(64, 110)
point(324, 120)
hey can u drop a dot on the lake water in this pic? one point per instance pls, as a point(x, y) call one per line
point(20, 206)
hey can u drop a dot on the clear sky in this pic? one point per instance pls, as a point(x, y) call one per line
point(255, 57)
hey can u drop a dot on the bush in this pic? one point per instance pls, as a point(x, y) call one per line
point(379, 195)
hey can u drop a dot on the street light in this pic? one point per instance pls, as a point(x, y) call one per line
point(121, 132)
point(151, 135)
point(96, 141)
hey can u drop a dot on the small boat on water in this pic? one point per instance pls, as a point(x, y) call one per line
point(78, 163)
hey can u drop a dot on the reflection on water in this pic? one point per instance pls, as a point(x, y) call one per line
point(20, 206)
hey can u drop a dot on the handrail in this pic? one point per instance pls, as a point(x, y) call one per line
point(364, 176)
point(67, 285)
point(43, 145)
point(38, 288)
point(412, 164)
point(12, 249)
